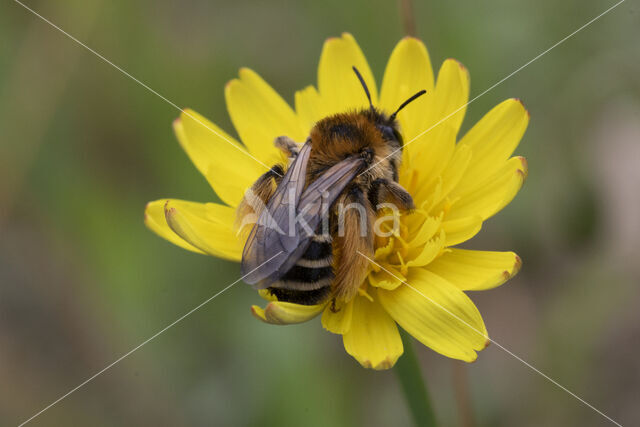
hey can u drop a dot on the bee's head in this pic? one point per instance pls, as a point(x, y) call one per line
point(387, 126)
point(369, 133)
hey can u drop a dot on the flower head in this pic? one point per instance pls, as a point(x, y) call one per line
point(417, 276)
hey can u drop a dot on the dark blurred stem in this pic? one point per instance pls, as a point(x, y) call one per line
point(461, 390)
point(408, 372)
point(408, 19)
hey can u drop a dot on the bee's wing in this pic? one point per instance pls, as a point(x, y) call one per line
point(313, 207)
point(270, 240)
point(281, 240)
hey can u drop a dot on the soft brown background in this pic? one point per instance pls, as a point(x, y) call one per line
point(82, 281)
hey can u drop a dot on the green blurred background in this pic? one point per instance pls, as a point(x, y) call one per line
point(82, 281)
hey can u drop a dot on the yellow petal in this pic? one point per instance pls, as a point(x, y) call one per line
point(388, 278)
point(421, 256)
point(208, 227)
point(429, 155)
point(492, 140)
point(338, 321)
point(426, 229)
point(309, 107)
point(286, 313)
point(462, 229)
point(267, 295)
point(258, 313)
point(154, 219)
point(431, 149)
point(437, 314)
point(384, 248)
point(497, 191)
point(427, 197)
point(339, 87)
point(408, 71)
point(228, 166)
point(455, 171)
point(450, 95)
point(476, 270)
point(260, 115)
point(373, 339)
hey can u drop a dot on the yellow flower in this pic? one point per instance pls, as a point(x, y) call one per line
point(418, 278)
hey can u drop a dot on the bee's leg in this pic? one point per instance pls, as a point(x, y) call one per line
point(255, 198)
point(384, 191)
point(287, 145)
point(333, 307)
point(353, 237)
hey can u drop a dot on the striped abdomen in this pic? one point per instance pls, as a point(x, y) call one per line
point(308, 282)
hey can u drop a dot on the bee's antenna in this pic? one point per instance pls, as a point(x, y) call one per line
point(364, 85)
point(405, 103)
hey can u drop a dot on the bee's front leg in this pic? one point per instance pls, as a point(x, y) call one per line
point(287, 145)
point(385, 191)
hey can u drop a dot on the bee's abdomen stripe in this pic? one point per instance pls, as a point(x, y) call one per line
point(307, 274)
point(320, 238)
point(310, 297)
point(309, 280)
point(315, 263)
point(301, 286)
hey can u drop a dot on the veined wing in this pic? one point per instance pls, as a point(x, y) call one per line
point(291, 217)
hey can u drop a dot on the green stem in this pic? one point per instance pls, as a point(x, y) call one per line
point(408, 371)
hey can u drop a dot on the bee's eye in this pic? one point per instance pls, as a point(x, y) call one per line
point(388, 133)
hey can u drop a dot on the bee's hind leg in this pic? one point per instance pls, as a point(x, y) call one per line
point(287, 145)
point(333, 307)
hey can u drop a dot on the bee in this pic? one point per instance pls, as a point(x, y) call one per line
point(306, 247)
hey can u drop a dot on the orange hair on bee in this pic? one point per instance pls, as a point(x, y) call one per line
point(353, 238)
point(339, 136)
